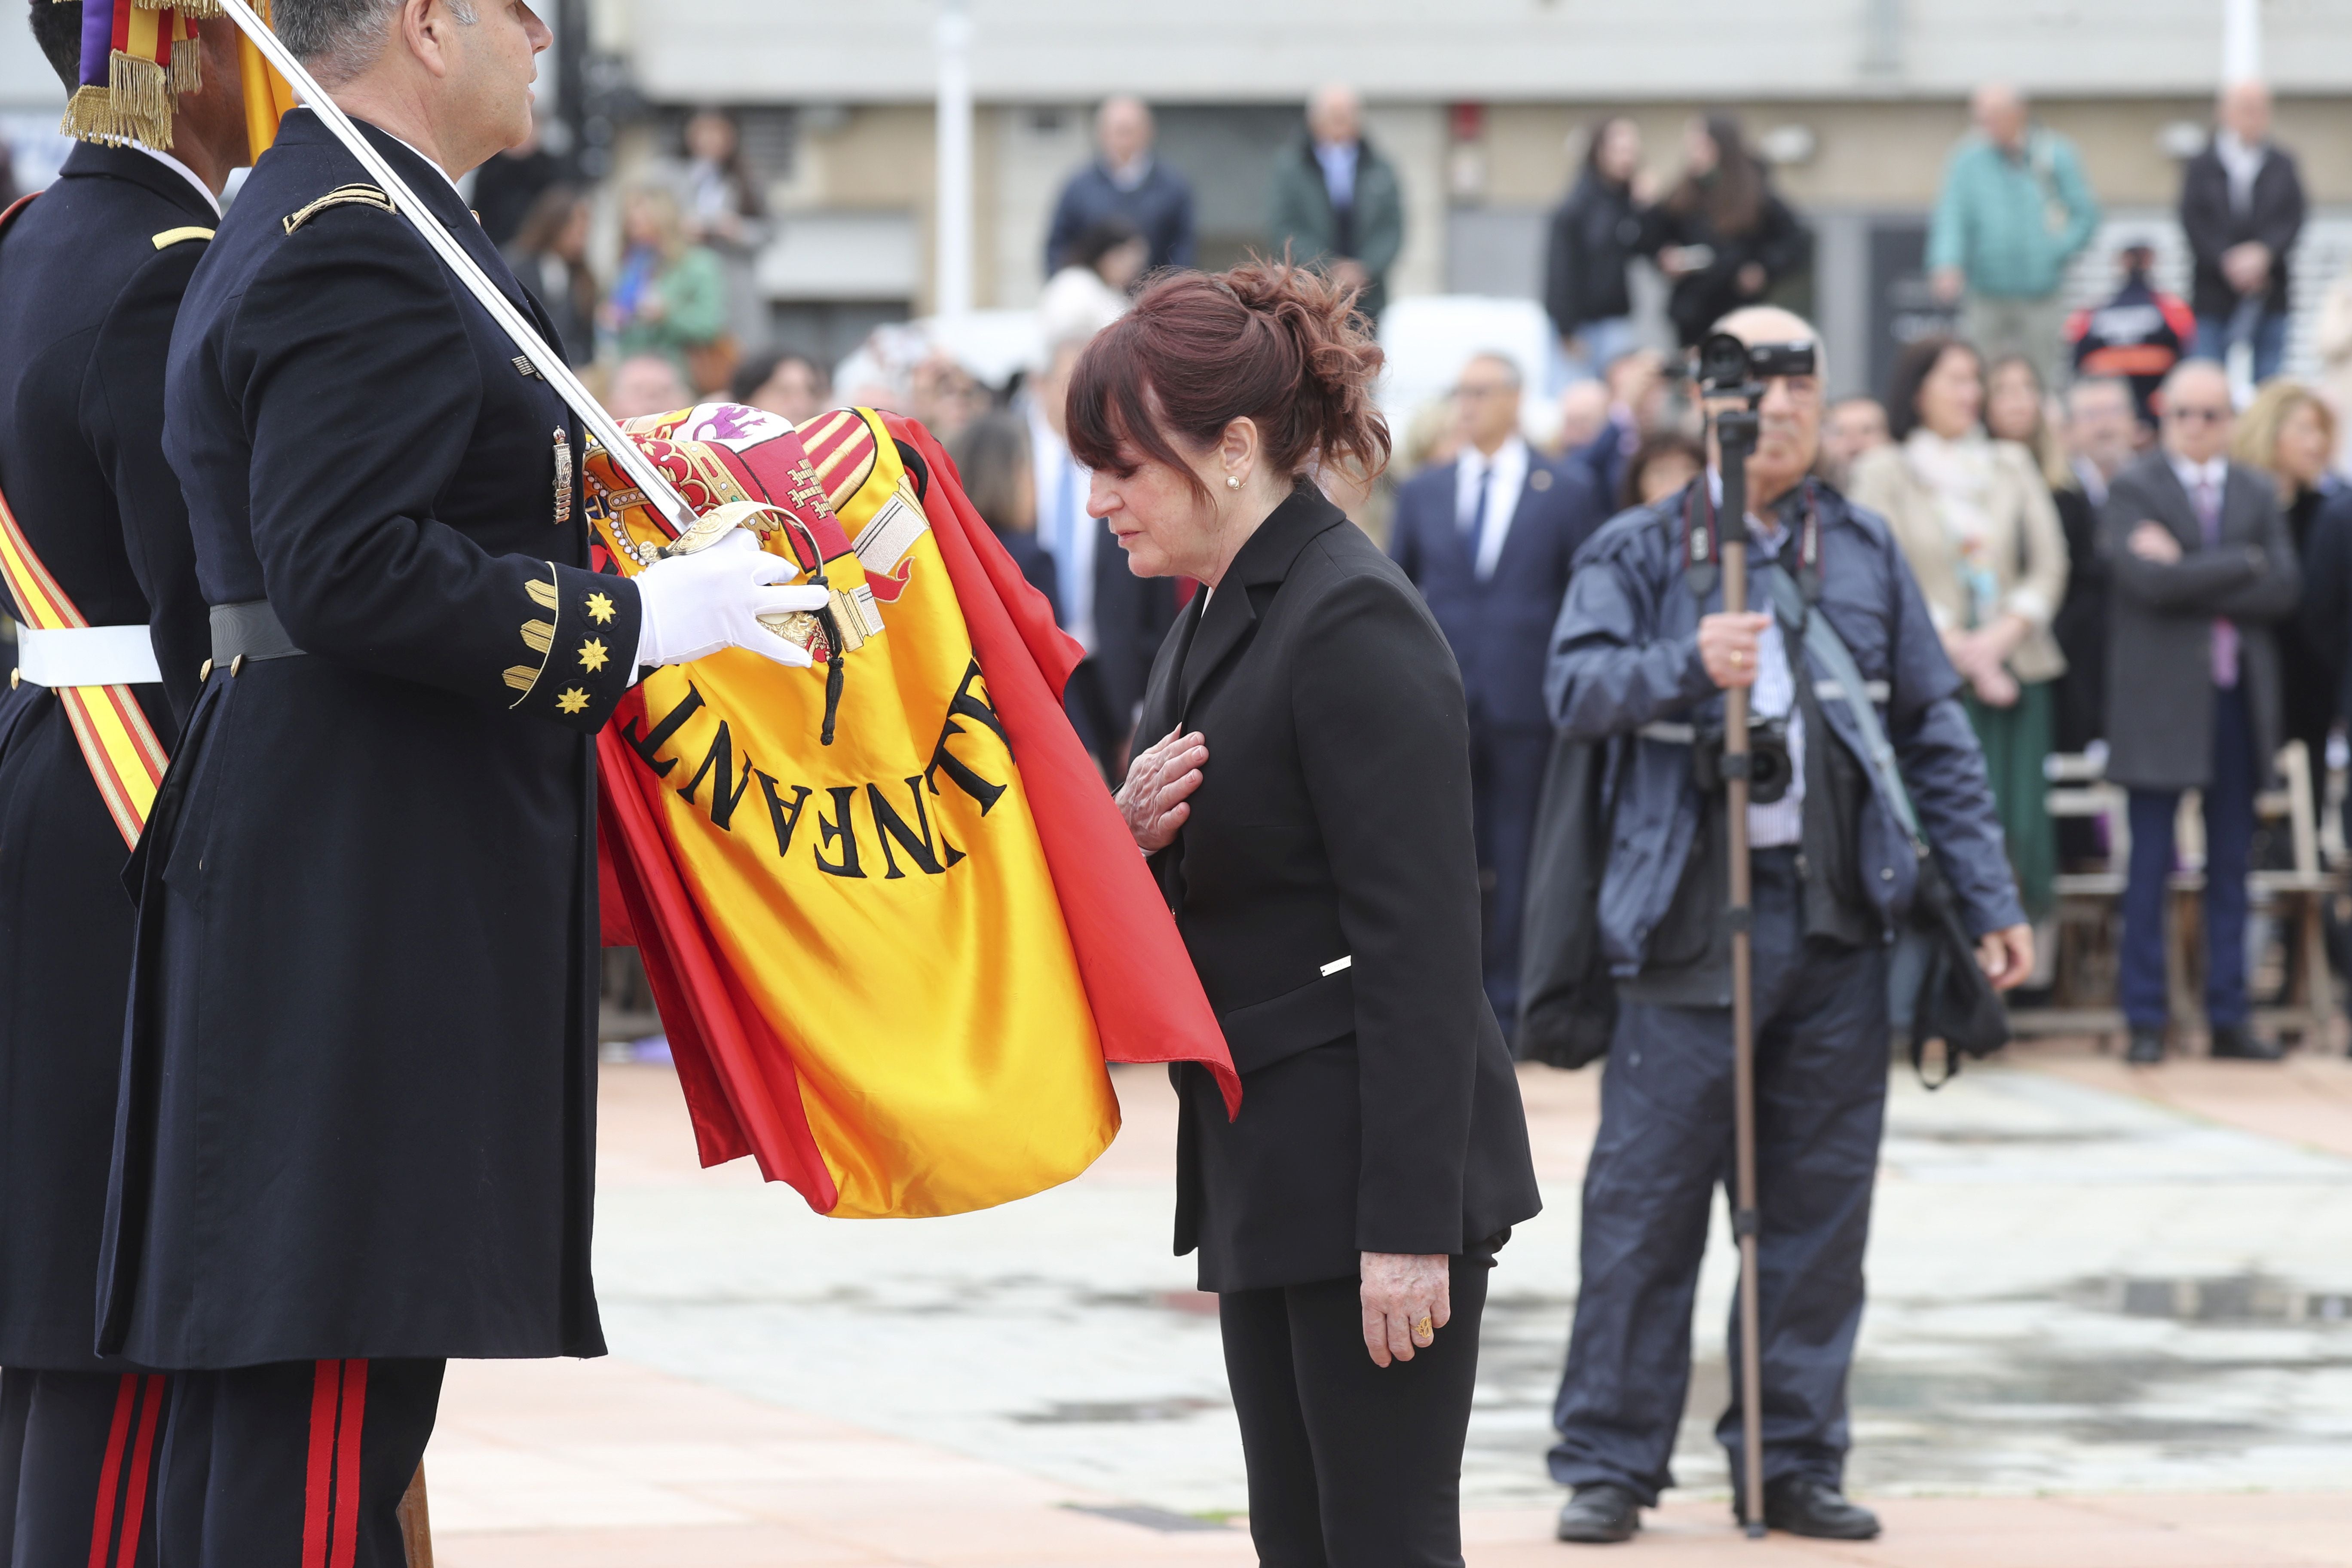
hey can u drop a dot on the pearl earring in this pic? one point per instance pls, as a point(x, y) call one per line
point(1233, 481)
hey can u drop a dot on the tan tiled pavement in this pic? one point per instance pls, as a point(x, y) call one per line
point(614, 1465)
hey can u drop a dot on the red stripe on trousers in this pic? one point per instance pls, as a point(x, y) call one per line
point(326, 1390)
point(347, 1466)
point(109, 1476)
point(142, 1458)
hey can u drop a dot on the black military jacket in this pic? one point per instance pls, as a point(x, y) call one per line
point(358, 1097)
point(1327, 887)
point(92, 274)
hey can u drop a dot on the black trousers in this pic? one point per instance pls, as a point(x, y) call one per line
point(294, 1464)
point(1350, 1463)
point(1507, 772)
point(1663, 1148)
point(78, 1468)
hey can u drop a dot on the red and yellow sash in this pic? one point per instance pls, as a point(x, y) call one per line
point(126, 759)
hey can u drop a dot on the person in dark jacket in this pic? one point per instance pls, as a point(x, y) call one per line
point(2203, 567)
point(358, 1067)
point(93, 270)
point(1639, 662)
point(1305, 806)
point(1595, 234)
point(1488, 539)
point(1125, 181)
point(991, 455)
point(1723, 234)
point(2288, 433)
point(2140, 332)
point(1337, 201)
point(550, 254)
point(2242, 208)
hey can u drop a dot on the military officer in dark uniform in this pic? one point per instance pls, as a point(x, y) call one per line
point(355, 1133)
point(92, 271)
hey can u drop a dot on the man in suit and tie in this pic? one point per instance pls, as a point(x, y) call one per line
point(1488, 539)
point(2203, 565)
point(1117, 616)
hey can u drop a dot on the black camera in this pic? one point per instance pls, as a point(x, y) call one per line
point(1769, 765)
point(1730, 368)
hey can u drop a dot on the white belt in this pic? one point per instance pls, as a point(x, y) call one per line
point(87, 656)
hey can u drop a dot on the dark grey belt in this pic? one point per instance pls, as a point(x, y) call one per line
point(249, 630)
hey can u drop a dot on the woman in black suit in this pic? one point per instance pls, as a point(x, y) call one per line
point(1322, 871)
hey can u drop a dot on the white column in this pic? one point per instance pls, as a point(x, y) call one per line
point(2241, 40)
point(952, 218)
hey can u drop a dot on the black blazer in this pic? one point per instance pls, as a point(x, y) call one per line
point(2212, 225)
point(1327, 887)
point(92, 273)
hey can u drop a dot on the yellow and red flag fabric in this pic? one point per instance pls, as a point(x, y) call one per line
point(891, 964)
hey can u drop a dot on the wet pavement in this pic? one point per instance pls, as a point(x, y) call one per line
point(2073, 1290)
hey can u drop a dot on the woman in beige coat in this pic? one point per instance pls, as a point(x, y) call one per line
point(1976, 520)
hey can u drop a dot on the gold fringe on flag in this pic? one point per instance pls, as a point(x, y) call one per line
point(194, 10)
point(188, 66)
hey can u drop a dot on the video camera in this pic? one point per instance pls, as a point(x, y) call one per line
point(1730, 368)
point(1770, 766)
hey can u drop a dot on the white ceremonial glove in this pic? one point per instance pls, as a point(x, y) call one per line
point(690, 605)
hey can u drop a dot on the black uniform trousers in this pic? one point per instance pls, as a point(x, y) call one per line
point(1665, 1144)
point(1351, 1463)
point(79, 1468)
point(1507, 772)
point(294, 1464)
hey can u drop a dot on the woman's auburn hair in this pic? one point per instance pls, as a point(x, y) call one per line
point(1270, 342)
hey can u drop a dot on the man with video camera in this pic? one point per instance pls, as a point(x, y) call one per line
point(1641, 659)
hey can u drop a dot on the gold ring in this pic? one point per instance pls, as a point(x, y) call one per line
point(1424, 1329)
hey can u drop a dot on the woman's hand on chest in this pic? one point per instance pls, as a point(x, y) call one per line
point(1154, 798)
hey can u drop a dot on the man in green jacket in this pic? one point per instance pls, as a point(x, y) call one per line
point(2015, 211)
point(1336, 201)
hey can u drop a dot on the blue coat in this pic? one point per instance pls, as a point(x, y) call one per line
point(1500, 629)
point(1162, 206)
point(1625, 654)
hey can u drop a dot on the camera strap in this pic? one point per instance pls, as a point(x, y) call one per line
point(1701, 541)
point(1823, 643)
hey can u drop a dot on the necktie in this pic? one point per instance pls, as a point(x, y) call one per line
point(2225, 633)
point(1476, 515)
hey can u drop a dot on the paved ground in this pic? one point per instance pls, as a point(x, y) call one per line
point(2111, 1322)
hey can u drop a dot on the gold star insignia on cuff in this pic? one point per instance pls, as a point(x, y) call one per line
point(592, 653)
point(573, 700)
point(600, 609)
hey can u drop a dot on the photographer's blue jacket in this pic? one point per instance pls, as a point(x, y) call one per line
point(1624, 655)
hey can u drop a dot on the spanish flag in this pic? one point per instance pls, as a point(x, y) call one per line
point(893, 922)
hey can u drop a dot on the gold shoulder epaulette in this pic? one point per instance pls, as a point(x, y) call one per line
point(172, 236)
point(342, 195)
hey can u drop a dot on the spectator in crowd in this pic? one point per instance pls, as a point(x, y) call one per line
point(1636, 382)
point(1116, 616)
point(508, 187)
point(723, 212)
point(2139, 334)
point(1852, 426)
point(2242, 208)
point(10, 192)
point(1974, 519)
point(646, 383)
point(999, 479)
point(2289, 433)
point(2103, 438)
point(945, 395)
point(1487, 541)
point(671, 297)
point(1660, 466)
point(2018, 408)
point(1091, 292)
point(1595, 234)
point(786, 383)
point(2203, 568)
point(1124, 181)
point(550, 254)
point(1583, 419)
point(1999, 242)
point(1434, 436)
point(1722, 234)
point(1337, 201)
point(2333, 340)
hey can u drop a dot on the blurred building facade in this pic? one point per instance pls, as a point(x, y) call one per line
point(1479, 103)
